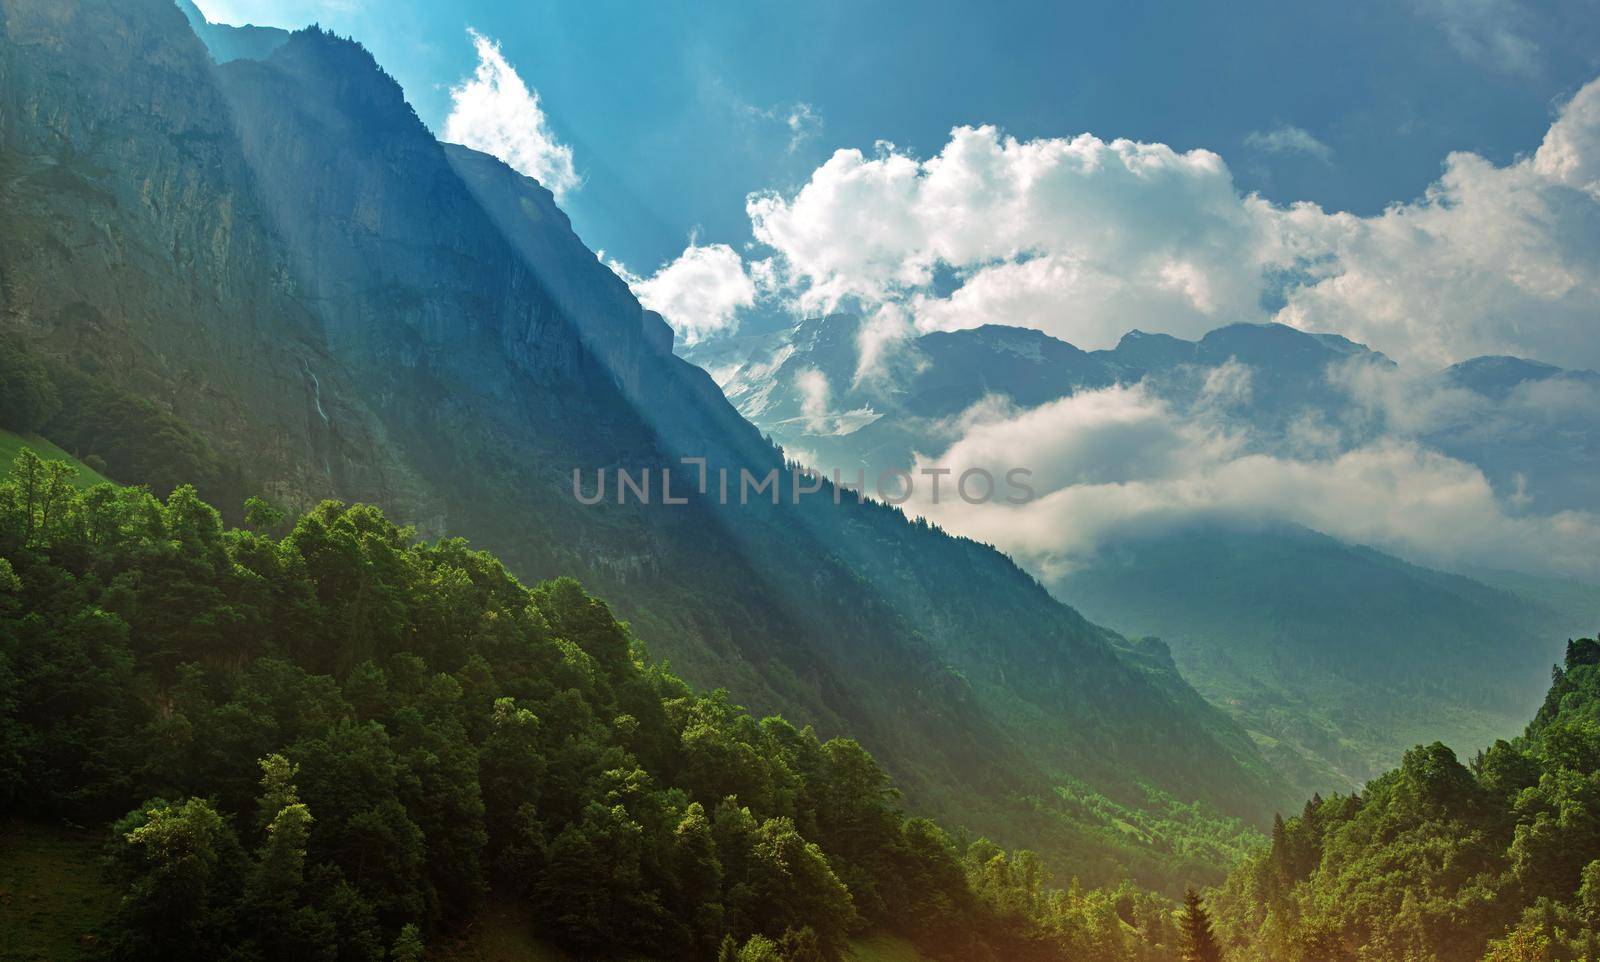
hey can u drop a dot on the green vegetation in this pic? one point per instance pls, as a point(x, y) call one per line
point(884, 948)
point(12, 444)
point(1437, 861)
point(1199, 942)
point(328, 740)
point(1091, 814)
point(116, 432)
point(501, 931)
point(230, 345)
point(320, 737)
point(53, 898)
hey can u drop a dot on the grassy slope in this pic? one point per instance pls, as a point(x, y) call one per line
point(501, 933)
point(52, 894)
point(11, 445)
point(885, 948)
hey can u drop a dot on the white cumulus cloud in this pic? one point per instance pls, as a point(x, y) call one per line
point(495, 112)
point(1081, 237)
point(699, 293)
point(1491, 260)
point(1085, 239)
point(813, 387)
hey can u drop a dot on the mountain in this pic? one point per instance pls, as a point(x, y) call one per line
point(227, 42)
point(1530, 427)
point(1492, 860)
point(1336, 657)
point(267, 277)
point(910, 402)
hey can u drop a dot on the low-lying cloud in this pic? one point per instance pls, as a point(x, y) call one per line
point(1085, 238)
point(1121, 461)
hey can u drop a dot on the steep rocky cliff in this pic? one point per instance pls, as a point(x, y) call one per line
point(135, 248)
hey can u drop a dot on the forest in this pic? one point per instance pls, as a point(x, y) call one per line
point(319, 738)
point(322, 738)
point(1497, 859)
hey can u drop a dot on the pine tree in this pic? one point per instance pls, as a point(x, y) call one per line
point(408, 946)
point(1199, 943)
point(1280, 848)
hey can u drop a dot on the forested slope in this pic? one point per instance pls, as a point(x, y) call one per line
point(1438, 861)
point(321, 738)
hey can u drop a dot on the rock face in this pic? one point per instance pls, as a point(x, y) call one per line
point(278, 254)
point(135, 247)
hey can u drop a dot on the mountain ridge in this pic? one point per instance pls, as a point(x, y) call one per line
point(446, 370)
point(1218, 592)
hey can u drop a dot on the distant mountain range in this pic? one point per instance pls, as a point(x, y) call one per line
point(255, 269)
point(1509, 417)
point(1337, 657)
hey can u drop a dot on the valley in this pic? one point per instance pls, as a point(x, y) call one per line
point(308, 651)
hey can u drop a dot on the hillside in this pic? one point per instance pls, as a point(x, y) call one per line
point(310, 297)
point(53, 898)
point(320, 737)
point(13, 444)
point(1491, 860)
point(1336, 658)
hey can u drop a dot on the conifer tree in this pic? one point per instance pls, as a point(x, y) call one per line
point(1199, 943)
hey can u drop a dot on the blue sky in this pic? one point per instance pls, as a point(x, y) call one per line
point(1422, 176)
point(675, 113)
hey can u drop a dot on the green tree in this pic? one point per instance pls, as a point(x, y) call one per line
point(28, 396)
point(261, 516)
point(1199, 943)
point(795, 887)
point(41, 500)
point(697, 891)
point(181, 864)
point(407, 945)
point(285, 927)
point(594, 890)
point(758, 948)
point(427, 728)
